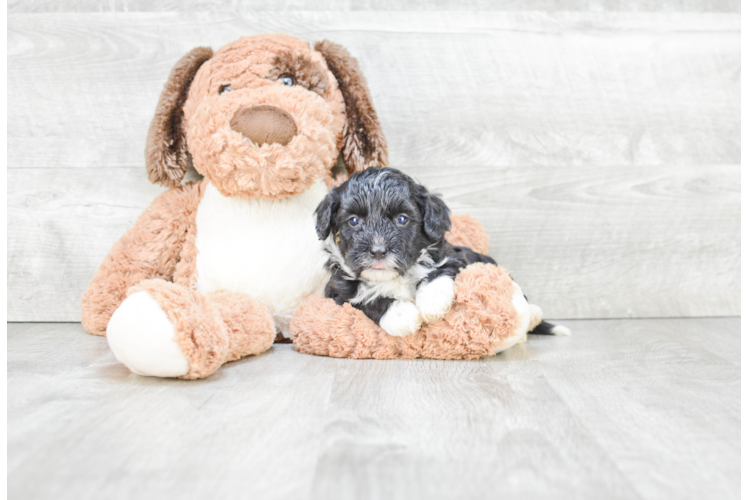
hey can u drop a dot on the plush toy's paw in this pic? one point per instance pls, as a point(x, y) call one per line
point(401, 319)
point(142, 338)
point(526, 315)
point(166, 330)
point(435, 298)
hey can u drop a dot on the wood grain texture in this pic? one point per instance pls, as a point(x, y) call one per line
point(600, 150)
point(623, 409)
point(40, 6)
point(615, 242)
point(452, 89)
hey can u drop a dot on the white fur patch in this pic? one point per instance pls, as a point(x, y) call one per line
point(536, 316)
point(401, 319)
point(265, 248)
point(332, 248)
point(435, 298)
point(142, 338)
point(379, 274)
point(561, 330)
point(398, 287)
point(524, 313)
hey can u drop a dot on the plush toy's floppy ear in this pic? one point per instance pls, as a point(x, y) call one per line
point(364, 144)
point(435, 214)
point(326, 212)
point(166, 145)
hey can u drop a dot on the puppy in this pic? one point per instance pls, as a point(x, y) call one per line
point(384, 234)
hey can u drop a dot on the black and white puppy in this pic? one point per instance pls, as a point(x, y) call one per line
point(388, 257)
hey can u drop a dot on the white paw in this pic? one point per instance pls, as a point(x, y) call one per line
point(561, 330)
point(142, 338)
point(435, 298)
point(401, 319)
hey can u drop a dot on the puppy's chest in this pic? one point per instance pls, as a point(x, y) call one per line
point(266, 248)
point(401, 288)
point(398, 289)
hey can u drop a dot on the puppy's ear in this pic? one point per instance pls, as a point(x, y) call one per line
point(435, 214)
point(364, 144)
point(326, 213)
point(166, 145)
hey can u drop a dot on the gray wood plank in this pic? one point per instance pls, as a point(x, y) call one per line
point(17, 6)
point(600, 151)
point(592, 242)
point(683, 428)
point(62, 223)
point(451, 88)
point(623, 409)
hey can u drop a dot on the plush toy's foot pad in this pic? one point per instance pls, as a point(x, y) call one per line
point(527, 314)
point(142, 338)
point(167, 330)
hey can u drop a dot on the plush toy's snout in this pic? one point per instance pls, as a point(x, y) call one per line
point(264, 124)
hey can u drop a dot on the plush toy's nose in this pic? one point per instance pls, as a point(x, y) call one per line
point(264, 124)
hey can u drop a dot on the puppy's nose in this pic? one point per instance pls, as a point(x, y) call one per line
point(378, 251)
point(264, 124)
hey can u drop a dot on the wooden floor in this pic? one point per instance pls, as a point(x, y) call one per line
point(623, 409)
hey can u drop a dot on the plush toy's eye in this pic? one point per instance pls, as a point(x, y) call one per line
point(287, 80)
point(354, 221)
point(402, 220)
point(225, 88)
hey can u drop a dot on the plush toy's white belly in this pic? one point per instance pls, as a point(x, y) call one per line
point(265, 248)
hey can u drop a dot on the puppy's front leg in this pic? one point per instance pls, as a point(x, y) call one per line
point(399, 318)
point(434, 298)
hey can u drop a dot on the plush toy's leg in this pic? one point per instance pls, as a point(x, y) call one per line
point(150, 249)
point(166, 330)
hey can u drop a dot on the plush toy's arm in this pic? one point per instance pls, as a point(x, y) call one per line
point(149, 250)
point(468, 232)
point(488, 315)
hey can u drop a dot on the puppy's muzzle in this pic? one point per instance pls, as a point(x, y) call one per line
point(264, 124)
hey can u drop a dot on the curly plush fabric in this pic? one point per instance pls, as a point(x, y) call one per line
point(468, 232)
point(151, 249)
point(481, 318)
point(214, 328)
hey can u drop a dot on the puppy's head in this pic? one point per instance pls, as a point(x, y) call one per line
point(264, 116)
point(379, 221)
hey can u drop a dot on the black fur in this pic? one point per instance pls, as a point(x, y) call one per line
point(377, 197)
point(544, 328)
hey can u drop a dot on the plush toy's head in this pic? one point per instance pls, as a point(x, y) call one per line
point(264, 116)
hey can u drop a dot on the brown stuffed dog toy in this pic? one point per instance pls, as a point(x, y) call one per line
point(214, 269)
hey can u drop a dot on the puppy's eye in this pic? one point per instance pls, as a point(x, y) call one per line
point(402, 220)
point(287, 80)
point(225, 88)
point(354, 221)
